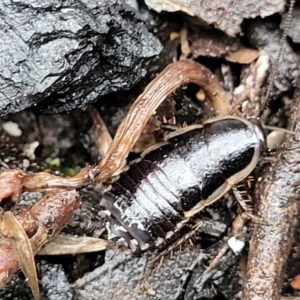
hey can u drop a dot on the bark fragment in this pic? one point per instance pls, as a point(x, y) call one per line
point(279, 195)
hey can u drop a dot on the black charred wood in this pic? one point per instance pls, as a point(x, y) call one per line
point(60, 55)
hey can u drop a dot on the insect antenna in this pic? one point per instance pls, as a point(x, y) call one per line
point(270, 80)
point(275, 128)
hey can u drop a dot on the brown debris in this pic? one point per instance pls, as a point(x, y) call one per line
point(243, 56)
point(248, 94)
point(53, 212)
point(270, 245)
point(295, 284)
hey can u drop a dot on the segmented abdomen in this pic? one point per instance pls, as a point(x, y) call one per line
point(176, 180)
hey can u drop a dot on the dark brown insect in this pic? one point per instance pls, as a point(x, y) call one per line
point(195, 167)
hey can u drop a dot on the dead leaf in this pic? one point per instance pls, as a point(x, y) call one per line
point(23, 249)
point(68, 244)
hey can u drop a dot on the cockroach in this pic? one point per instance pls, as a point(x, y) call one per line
point(172, 182)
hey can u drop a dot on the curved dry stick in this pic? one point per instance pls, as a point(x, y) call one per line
point(173, 76)
point(270, 245)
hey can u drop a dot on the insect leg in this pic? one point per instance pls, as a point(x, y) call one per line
point(247, 209)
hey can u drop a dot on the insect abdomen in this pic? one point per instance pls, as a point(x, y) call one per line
point(175, 181)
